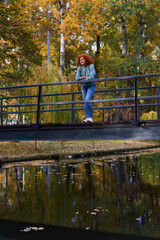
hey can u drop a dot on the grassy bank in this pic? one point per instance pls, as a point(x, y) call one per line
point(23, 150)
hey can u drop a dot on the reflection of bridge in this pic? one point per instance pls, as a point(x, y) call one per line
point(133, 99)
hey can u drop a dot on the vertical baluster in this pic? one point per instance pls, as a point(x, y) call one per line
point(158, 103)
point(136, 102)
point(1, 112)
point(38, 105)
point(72, 108)
point(103, 116)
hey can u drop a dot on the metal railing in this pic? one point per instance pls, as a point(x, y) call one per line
point(39, 104)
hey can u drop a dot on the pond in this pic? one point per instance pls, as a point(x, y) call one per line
point(119, 195)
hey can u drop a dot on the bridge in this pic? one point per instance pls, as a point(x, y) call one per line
point(26, 111)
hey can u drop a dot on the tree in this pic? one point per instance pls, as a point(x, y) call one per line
point(19, 49)
point(139, 35)
point(49, 15)
point(83, 26)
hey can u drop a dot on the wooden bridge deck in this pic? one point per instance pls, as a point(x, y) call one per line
point(81, 131)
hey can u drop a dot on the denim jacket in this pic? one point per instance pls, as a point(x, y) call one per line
point(88, 71)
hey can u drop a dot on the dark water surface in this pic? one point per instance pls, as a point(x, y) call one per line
point(121, 195)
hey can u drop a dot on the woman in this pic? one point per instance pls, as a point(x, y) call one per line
point(86, 71)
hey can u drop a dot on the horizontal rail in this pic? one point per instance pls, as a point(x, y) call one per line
point(80, 102)
point(16, 112)
point(102, 100)
point(19, 105)
point(94, 108)
point(92, 101)
point(70, 93)
point(84, 81)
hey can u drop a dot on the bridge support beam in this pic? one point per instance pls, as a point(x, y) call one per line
point(81, 132)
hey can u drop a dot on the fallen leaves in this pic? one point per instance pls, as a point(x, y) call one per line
point(28, 229)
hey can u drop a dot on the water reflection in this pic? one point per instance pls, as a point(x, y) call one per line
point(121, 196)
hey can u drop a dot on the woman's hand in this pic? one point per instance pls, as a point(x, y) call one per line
point(83, 78)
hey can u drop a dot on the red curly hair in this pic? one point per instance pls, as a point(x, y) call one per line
point(87, 58)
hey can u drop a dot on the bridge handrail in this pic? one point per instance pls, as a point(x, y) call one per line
point(133, 98)
point(81, 102)
point(75, 82)
point(70, 93)
point(81, 108)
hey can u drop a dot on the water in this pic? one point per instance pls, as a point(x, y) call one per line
point(120, 195)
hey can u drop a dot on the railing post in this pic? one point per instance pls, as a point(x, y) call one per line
point(1, 112)
point(72, 108)
point(158, 104)
point(136, 102)
point(38, 105)
point(103, 116)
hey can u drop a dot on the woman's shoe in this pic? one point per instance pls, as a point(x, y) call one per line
point(85, 120)
point(89, 119)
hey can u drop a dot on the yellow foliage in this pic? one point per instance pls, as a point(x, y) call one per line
point(149, 116)
point(84, 19)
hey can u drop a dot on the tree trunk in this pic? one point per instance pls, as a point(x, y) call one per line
point(97, 50)
point(62, 40)
point(19, 119)
point(124, 36)
point(117, 114)
point(141, 36)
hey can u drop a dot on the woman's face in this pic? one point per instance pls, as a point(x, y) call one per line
point(82, 61)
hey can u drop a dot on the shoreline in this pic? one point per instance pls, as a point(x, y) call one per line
point(76, 155)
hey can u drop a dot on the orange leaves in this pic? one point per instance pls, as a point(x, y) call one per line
point(84, 19)
point(55, 13)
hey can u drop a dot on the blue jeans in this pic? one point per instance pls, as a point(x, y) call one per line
point(87, 93)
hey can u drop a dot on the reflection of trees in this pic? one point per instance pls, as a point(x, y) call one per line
point(54, 194)
point(4, 186)
point(37, 195)
point(70, 170)
point(150, 169)
point(136, 199)
point(19, 183)
point(128, 181)
point(90, 177)
point(48, 179)
point(103, 177)
point(57, 173)
point(5, 182)
point(130, 184)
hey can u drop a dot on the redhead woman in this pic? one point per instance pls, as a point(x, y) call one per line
point(86, 71)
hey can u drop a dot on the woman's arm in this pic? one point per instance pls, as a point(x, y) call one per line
point(91, 73)
point(78, 75)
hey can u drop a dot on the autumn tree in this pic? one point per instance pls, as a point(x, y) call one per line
point(84, 26)
point(49, 16)
point(19, 49)
point(135, 35)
